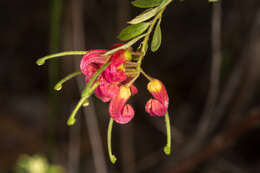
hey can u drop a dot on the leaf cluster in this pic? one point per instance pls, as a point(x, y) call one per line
point(140, 23)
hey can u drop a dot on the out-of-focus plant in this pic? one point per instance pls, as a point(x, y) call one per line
point(36, 164)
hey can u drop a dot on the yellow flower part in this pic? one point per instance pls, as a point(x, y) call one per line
point(124, 92)
point(128, 55)
point(154, 86)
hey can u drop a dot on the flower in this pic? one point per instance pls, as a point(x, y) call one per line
point(118, 111)
point(106, 90)
point(91, 61)
point(112, 76)
point(159, 105)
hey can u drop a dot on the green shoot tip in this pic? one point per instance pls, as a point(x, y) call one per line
point(71, 121)
point(58, 87)
point(167, 150)
point(113, 159)
point(86, 103)
point(40, 62)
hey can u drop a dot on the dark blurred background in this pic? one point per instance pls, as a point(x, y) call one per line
point(209, 62)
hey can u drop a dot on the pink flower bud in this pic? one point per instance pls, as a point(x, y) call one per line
point(118, 111)
point(159, 105)
point(154, 107)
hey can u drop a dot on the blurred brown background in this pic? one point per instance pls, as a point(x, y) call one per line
point(209, 62)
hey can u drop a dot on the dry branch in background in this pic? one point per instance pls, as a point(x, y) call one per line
point(76, 41)
point(219, 143)
point(213, 91)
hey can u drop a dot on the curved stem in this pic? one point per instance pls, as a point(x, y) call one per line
point(71, 121)
point(167, 148)
point(146, 75)
point(42, 60)
point(109, 136)
point(125, 46)
point(58, 86)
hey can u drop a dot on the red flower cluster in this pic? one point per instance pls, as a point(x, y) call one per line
point(113, 85)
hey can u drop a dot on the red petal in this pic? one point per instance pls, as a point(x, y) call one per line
point(112, 74)
point(105, 91)
point(134, 90)
point(155, 108)
point(126, 116)
point(92, 57)
point(118, 111)
point(158, 91)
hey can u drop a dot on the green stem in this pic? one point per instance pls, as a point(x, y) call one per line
point(125, 46)
point(167, 148)
point(53, 69)
point(71, 121)
point(144, 43)
point(58, 86)
point(109, 136)
point(94, 77)
point(146, 75)
point(42, 60)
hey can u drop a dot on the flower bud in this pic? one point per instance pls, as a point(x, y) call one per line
point(159, 105)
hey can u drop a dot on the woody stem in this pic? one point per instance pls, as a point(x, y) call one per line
point(109, 136)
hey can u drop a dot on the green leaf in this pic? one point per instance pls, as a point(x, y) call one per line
point(157, 37)
point(213, 0)
point(147, 14)
point(146, 3)
point(133, 31)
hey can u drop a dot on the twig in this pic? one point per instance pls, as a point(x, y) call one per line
point(77, 40)
point(219, 143)
point(252, 75)
point(89, 112)
point(74, 145)
point(213, 91)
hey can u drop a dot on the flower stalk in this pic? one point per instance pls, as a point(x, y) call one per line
point(42, 60)
point(58, 86)
point(167, 148)
point(109, 143)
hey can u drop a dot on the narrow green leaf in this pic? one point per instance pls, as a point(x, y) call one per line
point(157, 37)
point(132, 31)
point(144, 16)
point(213, 0)
point(146, 3)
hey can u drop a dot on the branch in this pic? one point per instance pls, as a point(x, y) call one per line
point(222, 141)
point(213, 91)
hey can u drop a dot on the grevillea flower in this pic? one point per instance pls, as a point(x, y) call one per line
point(106, 90)
point(159, 105)
point(118, 111)
point(91, 61)
point(111, 77)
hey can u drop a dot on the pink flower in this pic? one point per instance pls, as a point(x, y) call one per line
point(91, 61)
point(105, 91)
point(159, 105)
point(113, 75)
point(118, 111)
